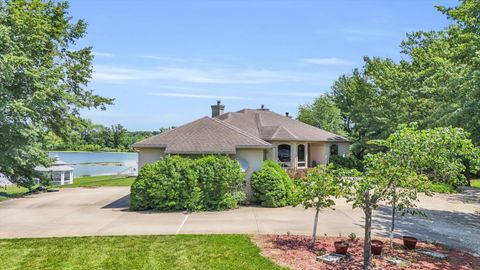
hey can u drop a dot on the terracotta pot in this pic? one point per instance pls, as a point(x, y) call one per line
point(341, 247)
point(409, 242)
point(377, 246)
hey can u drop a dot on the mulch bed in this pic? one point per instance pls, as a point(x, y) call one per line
point(295, 252)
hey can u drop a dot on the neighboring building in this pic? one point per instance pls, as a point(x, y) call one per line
point(249, 135)
point(59, 172)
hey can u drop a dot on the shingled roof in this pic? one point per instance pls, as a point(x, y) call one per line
point(203, 136)
point(270, 126)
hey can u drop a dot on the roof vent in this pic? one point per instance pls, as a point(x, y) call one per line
point(262, 108)
point(287, 114)
point(217, 109)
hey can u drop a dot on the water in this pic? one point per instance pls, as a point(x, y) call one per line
point(99, 163)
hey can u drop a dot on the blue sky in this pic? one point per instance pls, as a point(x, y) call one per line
point(166, 62)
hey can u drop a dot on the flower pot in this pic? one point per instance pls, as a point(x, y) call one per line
point(409, 242)
point(341, 247)
point(377, 246)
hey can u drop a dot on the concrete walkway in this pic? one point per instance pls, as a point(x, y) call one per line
point(452, 219)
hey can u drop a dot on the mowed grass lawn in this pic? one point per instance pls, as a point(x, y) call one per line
point(101, 181)
point(476, 183)
point(11, 191)
point(134, 252)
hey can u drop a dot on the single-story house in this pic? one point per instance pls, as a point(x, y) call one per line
point(249, 135)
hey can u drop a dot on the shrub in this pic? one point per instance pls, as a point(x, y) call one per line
point(346, 162)
point(169, 184)
point(178, 183)
point(221, 180)
point(442, 188)
point(272, 186)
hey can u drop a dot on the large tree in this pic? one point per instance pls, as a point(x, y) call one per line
point(43, 80)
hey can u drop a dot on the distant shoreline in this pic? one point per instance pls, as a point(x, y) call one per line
point(90, 152)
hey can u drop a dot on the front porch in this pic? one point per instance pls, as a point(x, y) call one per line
point(304, 155)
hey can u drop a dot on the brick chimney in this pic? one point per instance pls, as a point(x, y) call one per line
point(217, 109)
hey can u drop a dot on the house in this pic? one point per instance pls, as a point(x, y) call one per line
point(249, 135)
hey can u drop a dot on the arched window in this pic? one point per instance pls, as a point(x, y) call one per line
point(334, 150)
point(301, 155)
point(284, 153)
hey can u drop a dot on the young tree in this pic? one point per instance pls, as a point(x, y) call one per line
point(322, 113)
point(42, 82)
point(322, 186)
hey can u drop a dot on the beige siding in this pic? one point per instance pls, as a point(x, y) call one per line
point(254, 157)
point(148, 155)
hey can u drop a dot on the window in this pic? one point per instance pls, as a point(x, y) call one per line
point(334, 150)
point(284, 153)
point(301, 155)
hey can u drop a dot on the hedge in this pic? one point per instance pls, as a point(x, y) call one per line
point(272, 186)
point(179, 183)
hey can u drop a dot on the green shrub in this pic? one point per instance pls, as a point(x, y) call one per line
point(178, 183)
point(346, 162)
point(169, 184)
point(442, 188)
point(272, 186)
point(221, 180)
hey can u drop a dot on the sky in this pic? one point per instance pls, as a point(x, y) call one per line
point(166, 62)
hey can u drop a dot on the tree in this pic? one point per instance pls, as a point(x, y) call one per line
point(119, 134)
point(42, 82)
point(382, 175)
point(318, 191)
point(322, 113)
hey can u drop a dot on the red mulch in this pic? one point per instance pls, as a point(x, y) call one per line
point(295, 252)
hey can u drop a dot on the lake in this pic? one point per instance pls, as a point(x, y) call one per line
point(99, 163)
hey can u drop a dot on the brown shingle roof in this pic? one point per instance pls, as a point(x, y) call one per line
point(203, 136)
point(270, 126)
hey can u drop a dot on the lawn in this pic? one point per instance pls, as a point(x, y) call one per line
point(476, 183)
point(134, 252)
point(12, 191)
point(102, 181)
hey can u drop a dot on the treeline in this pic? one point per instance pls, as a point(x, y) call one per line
point(436, 84)
point(96, 137)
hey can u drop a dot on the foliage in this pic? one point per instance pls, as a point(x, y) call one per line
point(170, 184)
point(179, 183)
point(349, 162)
point(42, 82)
point(272, 186)
point(95, 137)
point(322, 186)
point(442, 188)
point(440, 153)
point(322, 113)
point(173, 252)
point(437, 83)
point(221, 180)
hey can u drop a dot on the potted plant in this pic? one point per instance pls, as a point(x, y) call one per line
point(409, 242)
point(341, 247)
point(377, 246)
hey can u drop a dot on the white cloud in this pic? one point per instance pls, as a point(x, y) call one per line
point(103, 54)
point(332, 61)
point(299, 94)
point(192, 75)
point(199, 96)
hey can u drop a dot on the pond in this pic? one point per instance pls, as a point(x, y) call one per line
point(99, 163)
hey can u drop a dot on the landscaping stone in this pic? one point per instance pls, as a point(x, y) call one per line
point(397, 261)
point(433, 254)
point(331, 258)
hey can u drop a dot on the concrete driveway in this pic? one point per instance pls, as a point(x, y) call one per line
point(452, 219)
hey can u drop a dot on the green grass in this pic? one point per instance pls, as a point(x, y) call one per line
point(442, 188)
point(134, 252)
point(475, 183)
point(102, 181)
point(12, 191)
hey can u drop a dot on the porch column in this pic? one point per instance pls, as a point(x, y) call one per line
point(71, 177)
point(294, 155)
point(62, 178)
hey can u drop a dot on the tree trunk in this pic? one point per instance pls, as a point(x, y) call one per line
point(314, 234)
point(392, 230)
point(368, 234)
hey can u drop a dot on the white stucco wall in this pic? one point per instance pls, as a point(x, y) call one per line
point(148, 155)
point(254, 157)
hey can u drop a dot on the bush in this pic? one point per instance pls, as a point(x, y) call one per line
point(221, 180)
point(272, 186)
point(442, 188)
point(346, 162)
point(177, 183)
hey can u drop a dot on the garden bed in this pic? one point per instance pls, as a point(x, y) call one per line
point(296, 253)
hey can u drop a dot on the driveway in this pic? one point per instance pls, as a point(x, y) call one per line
point(451, 219)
